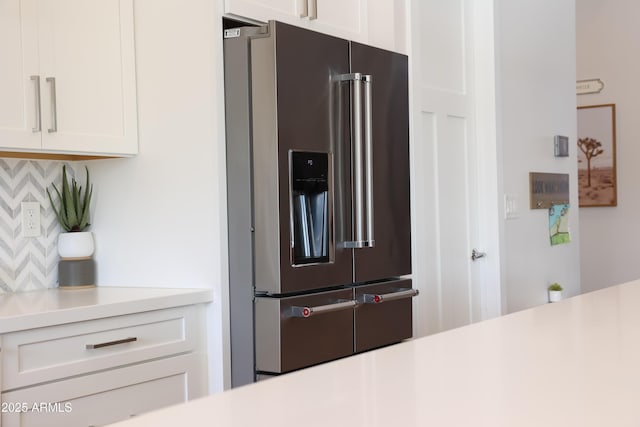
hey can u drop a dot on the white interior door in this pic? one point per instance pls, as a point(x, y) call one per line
point(454, 164)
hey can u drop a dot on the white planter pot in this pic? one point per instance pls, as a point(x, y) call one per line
point(555, 296)
point(76, 245)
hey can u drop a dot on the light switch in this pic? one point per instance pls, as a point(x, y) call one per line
point(561, 146)
point(510, 206)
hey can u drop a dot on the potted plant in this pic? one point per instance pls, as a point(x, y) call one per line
point(555, 292)
point(72, 212)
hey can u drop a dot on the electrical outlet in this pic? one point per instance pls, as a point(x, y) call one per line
point(30, 219)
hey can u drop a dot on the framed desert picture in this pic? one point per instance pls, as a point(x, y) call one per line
point(597, 155)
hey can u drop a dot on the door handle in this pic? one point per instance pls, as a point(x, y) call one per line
point(320, 309)
point(361, 159)
point(476, 254)
point(368, 157)
point(38, 126)
point(54, 108)
point(391, 296)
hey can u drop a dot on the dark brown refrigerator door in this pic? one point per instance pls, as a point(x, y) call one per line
point(300, 122)
point(296, 332)
point(383, 314)
point(391, 254)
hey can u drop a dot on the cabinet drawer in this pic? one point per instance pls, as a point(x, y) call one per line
point(46, 354)
point(288, 339)
point(107, 397)
point(384, 314)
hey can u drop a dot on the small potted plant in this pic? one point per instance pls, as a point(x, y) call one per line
point(555, 292)
point(72, 212)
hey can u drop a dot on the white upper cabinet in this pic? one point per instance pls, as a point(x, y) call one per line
point(341, 18)
point(70, 77)
point(18, 92)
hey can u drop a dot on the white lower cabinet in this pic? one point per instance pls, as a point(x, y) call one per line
point(105, 397)
point(101, 371)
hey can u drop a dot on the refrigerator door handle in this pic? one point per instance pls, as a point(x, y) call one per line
point(391, 296)
point(305, 312)
point(361, 159)
point(368, 158)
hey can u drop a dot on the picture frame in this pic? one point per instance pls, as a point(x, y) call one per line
point(597, 178)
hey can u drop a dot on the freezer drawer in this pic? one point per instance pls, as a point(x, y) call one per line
point(296, 332)
point(383, 314)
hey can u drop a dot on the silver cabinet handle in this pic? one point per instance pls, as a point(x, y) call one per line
point(38, 126)
point(320, 309)
point(54, 109)
point(361, 159)
point(392, 296)
point(111, 343)
point(476, 254)
point(313, 9)
point(302, 8)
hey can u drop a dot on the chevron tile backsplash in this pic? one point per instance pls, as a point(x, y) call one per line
point(28, 263)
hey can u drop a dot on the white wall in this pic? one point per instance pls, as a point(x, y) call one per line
point(535, 48)
point(608, 39)
point(159, 217)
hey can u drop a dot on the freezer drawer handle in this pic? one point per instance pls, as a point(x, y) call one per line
point(320, 309)
point(362, 158)
point(380, 298)
point(110, 343)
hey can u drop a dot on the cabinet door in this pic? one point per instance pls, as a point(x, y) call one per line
point(87, 64)
point(109, 396)
point(18, 92)
point(342, 18)
point(387, 25)
point(289, 11)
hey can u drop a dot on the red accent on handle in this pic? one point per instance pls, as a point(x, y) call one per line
point(377, 299)
point(306, 312)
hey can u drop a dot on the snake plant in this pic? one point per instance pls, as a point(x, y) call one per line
point(73, 205)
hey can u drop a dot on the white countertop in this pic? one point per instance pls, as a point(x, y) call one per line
point(572, 363)
point(27, 310)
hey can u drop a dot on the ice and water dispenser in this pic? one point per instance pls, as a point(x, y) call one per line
point(310, 199)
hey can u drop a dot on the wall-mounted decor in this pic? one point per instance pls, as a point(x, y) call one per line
point(589, 86)
point(597, 155)
point(559, 224)
point(548, 189)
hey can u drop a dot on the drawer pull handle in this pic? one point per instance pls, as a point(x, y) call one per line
point(380, 298)
point(305, 312)
point(110, 343)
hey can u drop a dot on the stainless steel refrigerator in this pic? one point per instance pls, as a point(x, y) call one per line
point(318, 198)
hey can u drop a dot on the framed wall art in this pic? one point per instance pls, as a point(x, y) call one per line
point(597, 155)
